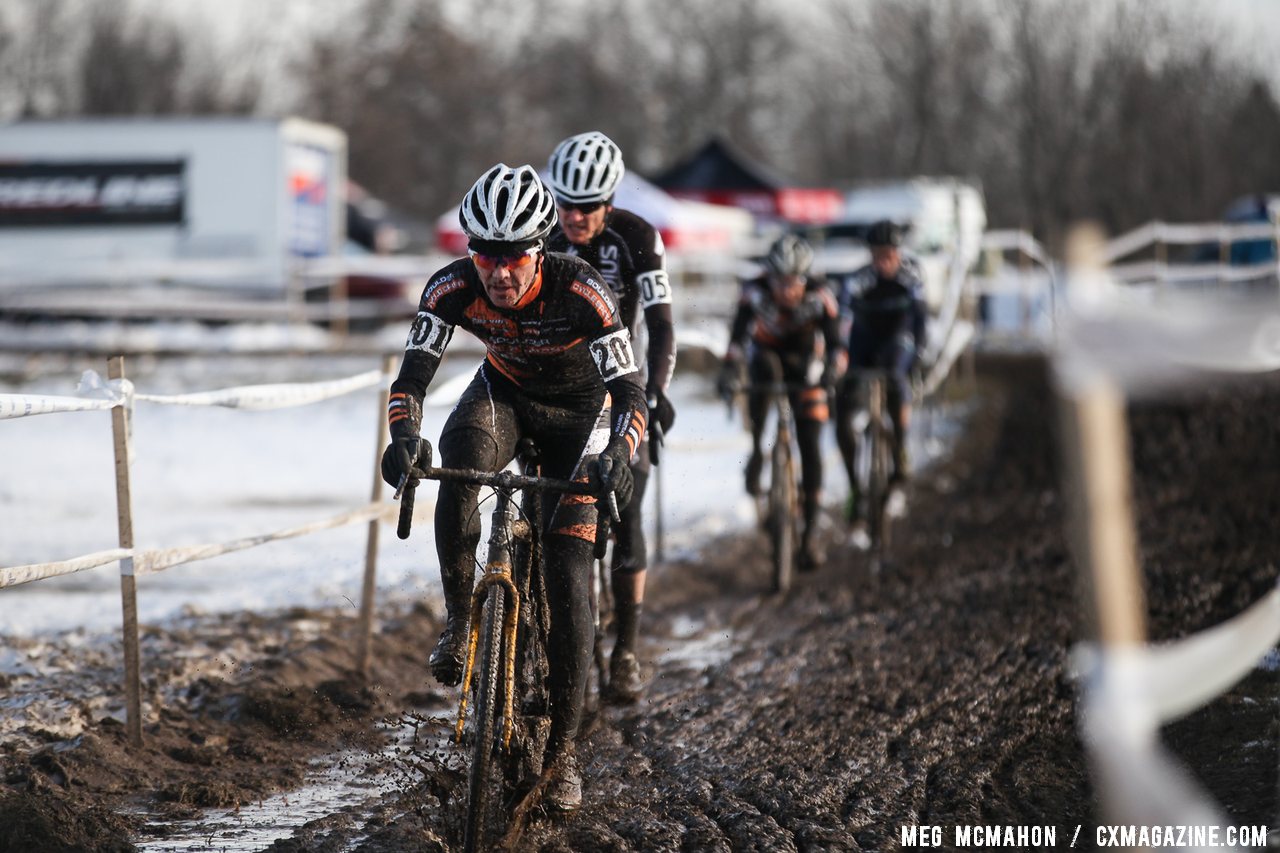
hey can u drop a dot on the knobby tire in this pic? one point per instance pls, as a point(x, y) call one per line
point(485, 779)
point(782, 501)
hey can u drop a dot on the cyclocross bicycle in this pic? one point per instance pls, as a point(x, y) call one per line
point(506, 666)
point(779, 507)
point(874, 462)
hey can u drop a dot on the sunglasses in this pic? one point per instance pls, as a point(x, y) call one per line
point(488, 263)
point(586, 207)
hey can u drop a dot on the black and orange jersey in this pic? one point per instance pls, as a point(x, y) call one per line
point(629, 256)
point(808, 329)
point(564, 343)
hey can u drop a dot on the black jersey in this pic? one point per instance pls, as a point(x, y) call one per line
point(877, 310)
point(794, 331)
point(560, 345)
point(629, 255)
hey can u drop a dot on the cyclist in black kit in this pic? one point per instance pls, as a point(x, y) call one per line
point(557, 351)
point(792, 321)
point(883, 307)
point(584, 172)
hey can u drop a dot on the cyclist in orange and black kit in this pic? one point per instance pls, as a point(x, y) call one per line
point(792, 321)
point(557, 351)
point(584, 173)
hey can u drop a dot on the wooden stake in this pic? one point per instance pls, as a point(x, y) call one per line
point(1097, 463)
point(369, 590)
point(128, 585)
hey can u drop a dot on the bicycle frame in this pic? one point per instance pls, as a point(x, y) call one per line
point(496, 609)
point(874, 451)
point(781, 511)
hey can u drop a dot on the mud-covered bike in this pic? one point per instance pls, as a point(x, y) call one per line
point(779, 507)
point(506, 664)
point(874, 459)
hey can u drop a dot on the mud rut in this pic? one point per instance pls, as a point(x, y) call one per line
point(934, 692)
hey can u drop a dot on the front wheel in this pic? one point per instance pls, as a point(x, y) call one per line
point(782, 510)
point(485, 800)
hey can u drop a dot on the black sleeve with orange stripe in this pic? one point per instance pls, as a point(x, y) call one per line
point(432, 329)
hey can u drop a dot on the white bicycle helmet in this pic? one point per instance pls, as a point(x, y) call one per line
point(790, 254)
point(508, 205)
point(585, 168)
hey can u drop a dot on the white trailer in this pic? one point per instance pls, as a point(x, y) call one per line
point(233, 202)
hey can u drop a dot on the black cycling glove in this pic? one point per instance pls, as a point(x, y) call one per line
point(401, 455)
point(661, 412)
point(612, 471)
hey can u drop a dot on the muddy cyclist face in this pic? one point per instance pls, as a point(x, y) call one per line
point(507, 277)
point(582, 223)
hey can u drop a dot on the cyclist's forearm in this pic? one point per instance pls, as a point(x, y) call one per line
point(404, 410)
point(662, 345)
point(630, 410)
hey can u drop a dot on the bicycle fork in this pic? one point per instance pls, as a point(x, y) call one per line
point(497, 578)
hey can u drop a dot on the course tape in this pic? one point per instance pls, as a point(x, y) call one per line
point(263, 397)
point(1141, 347)
point(1021, 241)
point(1173, 679)
point(1163, 232)
point(157, 560)
point(39, 571)
point(97, 394)
point(1152, 271)
point(24, 405)
point(151, 562)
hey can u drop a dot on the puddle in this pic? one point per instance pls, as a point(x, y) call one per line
point(700, 652)
point(350, 783)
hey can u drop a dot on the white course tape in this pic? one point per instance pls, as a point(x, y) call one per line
point(1142, 347)
point(150, 562)
point(278, 396)
point(1162, 232)
point(1140, 783)
point(23, 405)
point(1173, 679)
point(39, 571)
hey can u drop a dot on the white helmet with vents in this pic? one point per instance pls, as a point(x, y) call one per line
point(509, 205)
point(585, 168)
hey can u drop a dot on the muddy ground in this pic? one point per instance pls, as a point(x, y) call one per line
point(933, 692)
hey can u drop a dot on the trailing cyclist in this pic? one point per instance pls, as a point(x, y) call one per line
point(557, 351)
point(584, 173)
point(786, 329)
point(882, 307)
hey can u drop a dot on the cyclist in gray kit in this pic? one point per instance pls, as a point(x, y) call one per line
point(557, 352)
point(584, 173)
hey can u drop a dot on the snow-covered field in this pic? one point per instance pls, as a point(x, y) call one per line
point(207, 475)
point(203, 475)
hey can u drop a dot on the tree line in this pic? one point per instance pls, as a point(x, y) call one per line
point(1060, 109)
